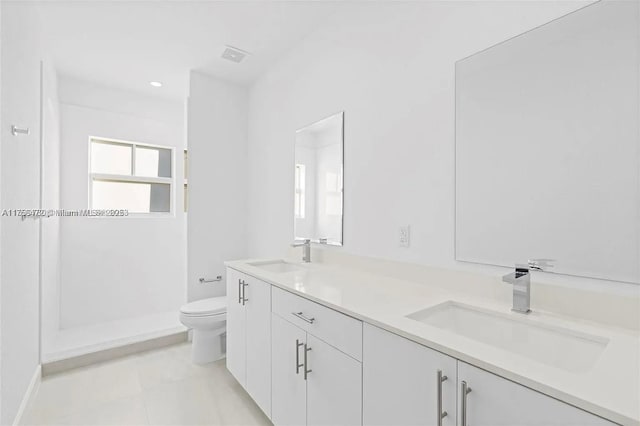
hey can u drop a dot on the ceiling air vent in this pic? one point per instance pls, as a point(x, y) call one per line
point(234, 54)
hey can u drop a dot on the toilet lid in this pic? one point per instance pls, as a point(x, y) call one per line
point(213, 305)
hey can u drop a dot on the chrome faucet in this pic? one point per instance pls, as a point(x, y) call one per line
point(521, 280)
point(306, 249)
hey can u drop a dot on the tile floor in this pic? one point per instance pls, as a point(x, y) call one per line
point(160, 387)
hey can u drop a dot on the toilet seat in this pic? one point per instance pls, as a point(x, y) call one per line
point(206, 307)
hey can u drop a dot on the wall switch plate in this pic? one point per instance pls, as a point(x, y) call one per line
point(404, 236)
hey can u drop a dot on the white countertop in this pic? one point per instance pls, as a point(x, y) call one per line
point(611, 388)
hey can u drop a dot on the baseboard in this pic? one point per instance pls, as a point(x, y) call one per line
point(29, 395)
point(59, 366)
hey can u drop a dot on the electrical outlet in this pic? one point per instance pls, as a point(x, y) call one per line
point(404, 236)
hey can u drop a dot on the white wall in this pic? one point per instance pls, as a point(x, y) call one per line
point(217, 135)
point(117, 268)
point(2, 122)
point(22, 50)
point(390, 67)
point(50, 196)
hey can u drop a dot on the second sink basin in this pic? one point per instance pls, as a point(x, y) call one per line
point(555, 346)
point(278, 266)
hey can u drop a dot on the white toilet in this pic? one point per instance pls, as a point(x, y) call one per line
point(207, 319)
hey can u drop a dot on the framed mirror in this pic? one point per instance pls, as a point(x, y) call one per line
point(318, 181)
point(547, 149)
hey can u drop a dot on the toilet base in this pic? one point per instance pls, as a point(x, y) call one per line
point(208, 345)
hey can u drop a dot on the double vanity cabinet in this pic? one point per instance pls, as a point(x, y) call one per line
point(306, 364)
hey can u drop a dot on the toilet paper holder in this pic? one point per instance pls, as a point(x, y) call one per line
point(15, 130)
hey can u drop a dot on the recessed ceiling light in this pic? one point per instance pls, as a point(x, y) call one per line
point(155, 83)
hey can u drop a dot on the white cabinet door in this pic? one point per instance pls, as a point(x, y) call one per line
point(236, 327)
point(288, 387)
point(400, 385)
point(334, 386)
point(495, 401)
point(258, 349)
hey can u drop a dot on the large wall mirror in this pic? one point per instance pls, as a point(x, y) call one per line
point(318, 172)
point(547, 146)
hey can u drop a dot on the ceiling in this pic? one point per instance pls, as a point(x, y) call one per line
point(127, 44)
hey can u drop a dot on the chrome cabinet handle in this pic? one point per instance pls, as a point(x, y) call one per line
point(244, 290)
point(440, 414)
point(239, 290)
point(465, 389)
point(306, 371)
point(298, 365)
point(303, 318)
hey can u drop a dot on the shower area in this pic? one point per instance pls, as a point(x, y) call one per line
point(110, 281)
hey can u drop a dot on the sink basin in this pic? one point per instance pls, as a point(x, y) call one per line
point(278, 266)
point(555, 346)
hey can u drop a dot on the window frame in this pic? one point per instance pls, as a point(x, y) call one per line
point(109, 177)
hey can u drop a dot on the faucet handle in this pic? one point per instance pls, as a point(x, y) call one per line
point(540, 264)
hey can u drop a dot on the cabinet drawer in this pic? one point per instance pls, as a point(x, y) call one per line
point(339, 330)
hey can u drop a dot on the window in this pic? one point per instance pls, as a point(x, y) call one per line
point(132, 176)
point(299, 198)
point(186, 182)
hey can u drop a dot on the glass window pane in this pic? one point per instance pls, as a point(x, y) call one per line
point(160, 200)
point(154, 162)
point(113, 158)
point(133, 196)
